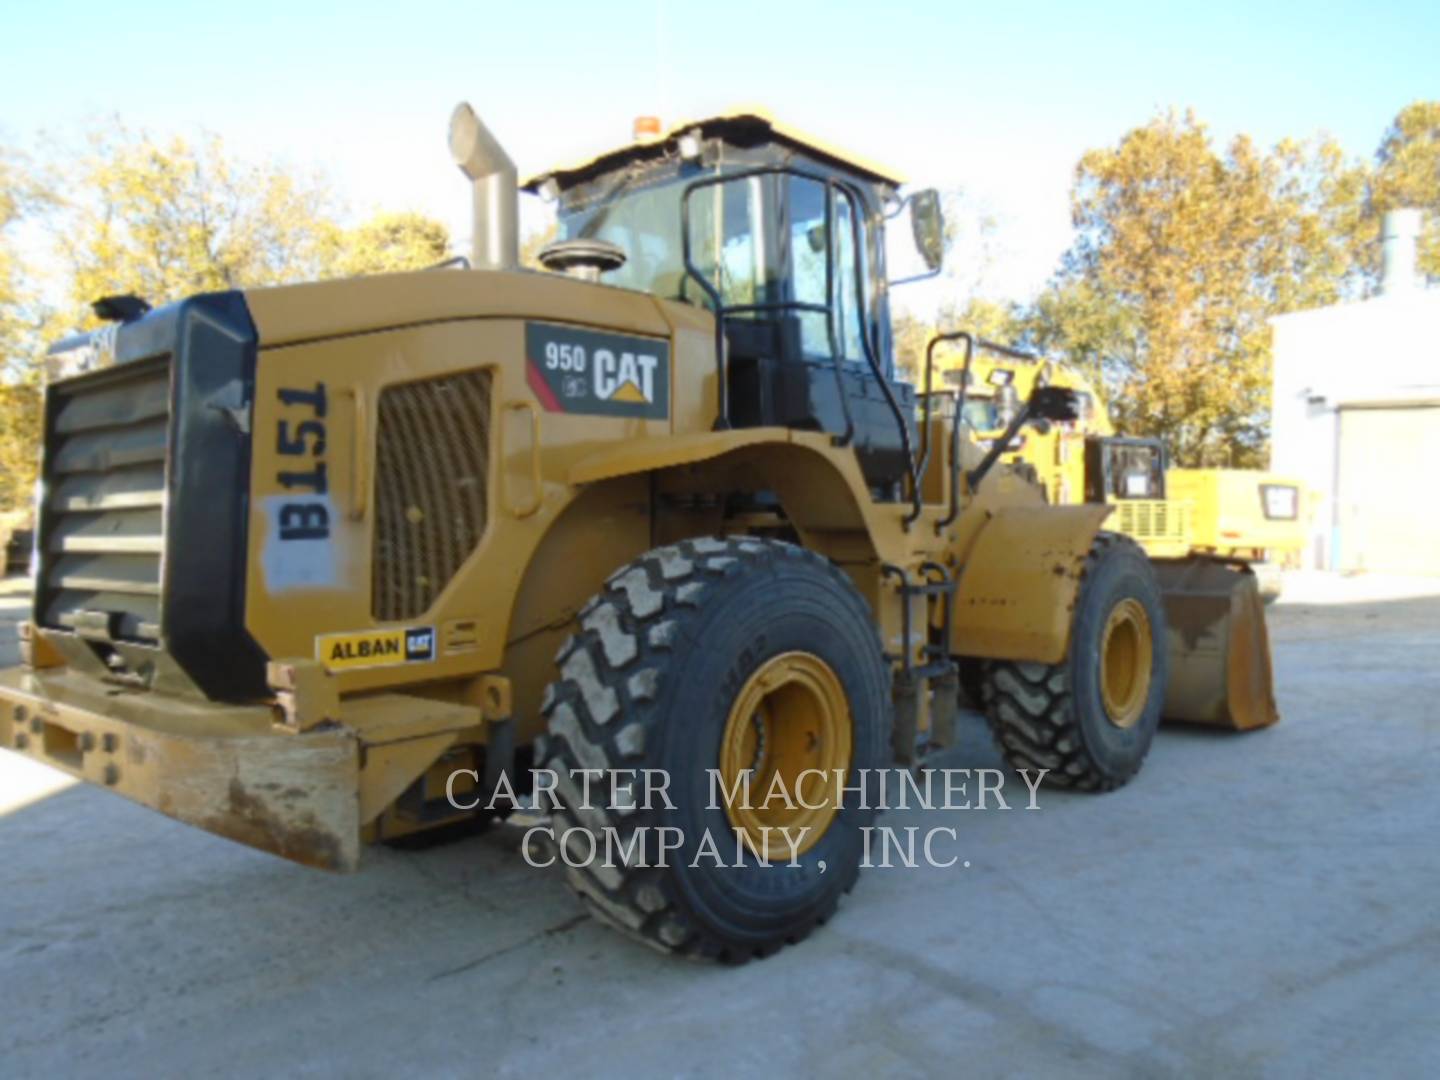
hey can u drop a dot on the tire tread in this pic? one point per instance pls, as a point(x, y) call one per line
point(655, 599)
point(1031, 711)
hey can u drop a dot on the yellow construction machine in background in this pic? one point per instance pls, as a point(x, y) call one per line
point(1210, 533)
point(1246, 515)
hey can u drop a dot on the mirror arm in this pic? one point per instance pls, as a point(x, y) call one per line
point(998, 447)
point(915, 277)
point(897, 208)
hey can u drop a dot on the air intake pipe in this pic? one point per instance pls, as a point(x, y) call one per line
point(495, 239)
point(1399, 231)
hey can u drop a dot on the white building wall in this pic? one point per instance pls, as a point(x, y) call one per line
point(1378, 351)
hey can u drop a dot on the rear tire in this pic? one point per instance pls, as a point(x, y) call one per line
point(666, 653)
point(1089, 729)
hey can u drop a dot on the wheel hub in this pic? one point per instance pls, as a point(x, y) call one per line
point(789, 730)
point(1126, 652)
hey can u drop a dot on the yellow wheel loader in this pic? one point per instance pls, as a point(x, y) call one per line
point(1248, 516)
point(1215, 535)
point(342, 561)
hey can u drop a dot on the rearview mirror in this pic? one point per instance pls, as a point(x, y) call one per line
point(927, 223)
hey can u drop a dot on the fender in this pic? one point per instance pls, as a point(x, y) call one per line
point(637, 456)
point(1020, 580)
point(820, 486)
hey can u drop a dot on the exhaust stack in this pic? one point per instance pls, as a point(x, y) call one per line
point(495, 239)
point(1399, 231)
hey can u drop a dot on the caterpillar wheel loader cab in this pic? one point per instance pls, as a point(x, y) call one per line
point(337, 561)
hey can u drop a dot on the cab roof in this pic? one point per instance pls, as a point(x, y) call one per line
point(747, 126)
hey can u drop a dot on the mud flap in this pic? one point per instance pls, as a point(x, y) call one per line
point(1220, 670)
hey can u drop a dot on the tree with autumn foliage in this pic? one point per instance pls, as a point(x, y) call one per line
point(1183, 254)
point(163, 219)
point(1407, 174)
point(984, 317)
point(168, 218)
point(970, 243)
point(387, 243)
point(21, 319)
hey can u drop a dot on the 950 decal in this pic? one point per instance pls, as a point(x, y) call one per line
point(585, 371)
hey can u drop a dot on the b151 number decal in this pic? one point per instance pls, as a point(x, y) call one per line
point(300, 433)
point(299, 550)
point(584, 371)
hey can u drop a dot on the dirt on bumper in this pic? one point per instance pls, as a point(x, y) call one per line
point(228, 770)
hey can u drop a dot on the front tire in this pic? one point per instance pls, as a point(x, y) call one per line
point(679, 644)
point(1090, 719)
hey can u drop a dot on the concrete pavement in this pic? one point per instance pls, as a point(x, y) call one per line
point(1251, 905)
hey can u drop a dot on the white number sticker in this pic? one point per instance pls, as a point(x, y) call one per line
point(560, 357)
point(1280, 502)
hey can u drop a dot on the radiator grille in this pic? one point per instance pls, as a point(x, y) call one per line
point(1165, 521)
point(102, 528)
point(432, 460)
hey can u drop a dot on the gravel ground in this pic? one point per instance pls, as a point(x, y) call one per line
point(1251, 905)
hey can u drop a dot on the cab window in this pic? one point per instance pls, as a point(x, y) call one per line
point(730, 223)
point(981, 414)
point(640, 213)
point(805, 235)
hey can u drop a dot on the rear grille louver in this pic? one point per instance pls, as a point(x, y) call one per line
point(432, 464)
point(1160, 520)
point(102, 530)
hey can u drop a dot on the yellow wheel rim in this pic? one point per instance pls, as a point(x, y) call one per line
point(1126, 652)
point(789, 730)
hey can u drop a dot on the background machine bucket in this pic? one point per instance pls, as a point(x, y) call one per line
point(1220, 672)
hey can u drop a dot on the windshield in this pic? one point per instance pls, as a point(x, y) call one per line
point(759, 239)
point(981, 414)
point(640, 214)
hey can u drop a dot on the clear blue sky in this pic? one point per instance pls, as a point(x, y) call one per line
point(999, 97)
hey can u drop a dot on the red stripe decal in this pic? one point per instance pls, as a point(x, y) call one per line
point(542, 388)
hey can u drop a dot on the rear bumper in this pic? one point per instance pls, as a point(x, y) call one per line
point(230, 770)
